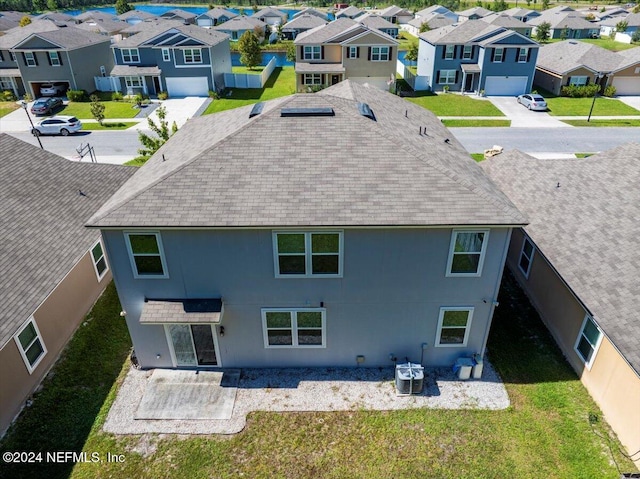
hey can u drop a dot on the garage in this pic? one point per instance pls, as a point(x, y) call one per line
point(626, 85)
point(195, 86)
point(505, 86)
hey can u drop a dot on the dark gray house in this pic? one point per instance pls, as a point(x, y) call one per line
point(169, 56)
point(327, 249)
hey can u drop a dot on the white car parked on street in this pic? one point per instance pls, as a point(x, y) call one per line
point(57, 125)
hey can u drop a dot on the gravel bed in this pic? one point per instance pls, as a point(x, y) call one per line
point(313, 389)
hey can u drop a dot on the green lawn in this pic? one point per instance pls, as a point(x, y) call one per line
point(546, 432)
point(256, 70)
point(452, 104)
point(113, 109)
point(609, 44)
point(282, 82)
point(405, 39)
point(475, 123)
point(604, 123)
point(564, 106)
point(111, 126)
point(7, 107)
point(478, 157)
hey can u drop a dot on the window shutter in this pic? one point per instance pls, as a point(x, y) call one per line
point(60, 58)
point(444, 51)
point(456, 80)
point(588, 78)
point(390, 54)
point(473, 52)
point(369, 55)
point(35, 58)
point(529, 54)
point(357, 52)
point(301, 53)
point(438, 77)
point(322, 52)
point(568, 81)
point(49, 58)
point(493, 53)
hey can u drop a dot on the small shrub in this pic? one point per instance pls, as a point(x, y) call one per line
point(445, 88)
point(214, 95)
point(137, 99)
point(163, 95)
point(609, 91)
point(77, 95)
point(27, 97)
point(116, 96)
point(583, 91)
point(8, 95)
point(635, 38)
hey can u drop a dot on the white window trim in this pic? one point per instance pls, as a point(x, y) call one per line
point(449, 52)
point(307, 253)
point(312, 77)
point(309, 52)
point(30, 59)
point(352, 52)
point(130, 54)
point(129, 83)
point(501, 55)
point(523, 52)
point(588, 364)
point(57, 58)
point(447, 77)
point(23, 353)
point(467, 52)
point(172, 351)
point(483, 252)
point(166, 55)
point(134, 268)
point(294, 327)
point(526, 240)
point(381, 56)
point(443, 310)
point(581, 83)
point(95, 262)
point(194, 52)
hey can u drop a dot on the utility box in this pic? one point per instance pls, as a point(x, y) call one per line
point(409, 378)
point(463, 367)
point(477, 366)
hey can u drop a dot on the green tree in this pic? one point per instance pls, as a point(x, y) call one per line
point(122, 6)
point(249, 48)
point(291, 52)
point(424, 27)
point(543, 31)
point(636, 9)
point(622, 26)
point(39, 5)
point(412, 52)
point(24, 21)
point(52, 5)
point(151, 144)
point(255, 8)
point(545, 4)
point(97, 109)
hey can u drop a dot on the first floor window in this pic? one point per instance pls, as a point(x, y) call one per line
point(99, 261)
point(447, 77)
point(54, 59)
point(30, 59)
point(165, 55)
point(147, 257)
point(453, 326)
point(526, 256)
point(6, 84)
point(308, 253)
point(313, 79)
point(133, 82)
point(379, 54)
point(498, 55)
point(30, 345)
point(466, 252)
point(523, 53)
point(578, 80)
point(294, 328)
point(130, 55)
point(467, 52)
point(234, 35)
point(193, 55)
point(312, 53)
point(588, 341)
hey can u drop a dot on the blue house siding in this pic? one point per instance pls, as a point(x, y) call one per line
point(515, 68)
point(387, 301)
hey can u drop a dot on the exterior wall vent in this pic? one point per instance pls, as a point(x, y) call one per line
point(257, 109)
point(365, 110)
point(307, 112)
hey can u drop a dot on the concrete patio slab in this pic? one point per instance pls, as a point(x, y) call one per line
point(310, 389)
point(189, 395)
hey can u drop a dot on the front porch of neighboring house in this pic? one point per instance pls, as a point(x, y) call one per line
point(137, 80)
point(11, 80)
point(318, 75)
point(470, 77)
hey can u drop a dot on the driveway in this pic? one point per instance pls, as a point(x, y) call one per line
point(632, 101)
point(178, 110)
point(17, 120)
point(523, 118)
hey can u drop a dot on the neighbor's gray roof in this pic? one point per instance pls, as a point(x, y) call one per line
point(56, 17)
point(588, 229)
point(16, 35)
point(564, 19)
point(342, 170)
point(216, 13)
point(177, 12)
point(481, 12)
point(42, 216)
point(95, 15)
point(322, 33)
point(628, 57)
point(372, 20)
point(268, 12)
point(503, 20)
point(204, 35)
point(394, 10)
point(239, 23)
point(520, 12)
point(435, 20)
point(312, 11)
point(433, 9)
point(304, 22)
point(564, 57)
point(103, 26)
point(68, 38)
point(137, 14)
point(458, 33)
point(350, 11)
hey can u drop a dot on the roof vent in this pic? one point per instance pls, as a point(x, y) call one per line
point(307, 112)
point(257, 109)
point(365, 110)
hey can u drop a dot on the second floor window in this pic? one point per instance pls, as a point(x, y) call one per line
point(312, 53)
point(146, 255)
point(166, 55)
point(30, 59)
point(449, 52)
point(352, 52)
point(467, 52)
point(54, 59)
point(523, 54)
point(466, 252)
point(193, 55)
point(526, 256)
point(498, 55)
point(379, 54)
point(308, 254)
point(130, 55)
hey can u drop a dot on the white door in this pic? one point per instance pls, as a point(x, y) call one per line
point(505, 86)
point(626, 85)
point(189, 86)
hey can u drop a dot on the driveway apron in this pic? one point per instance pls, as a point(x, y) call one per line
point(521, 117)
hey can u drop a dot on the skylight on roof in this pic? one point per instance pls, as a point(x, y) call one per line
point(365, 110)
point(328, 111)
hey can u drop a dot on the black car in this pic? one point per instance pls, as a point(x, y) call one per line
point(45, 106)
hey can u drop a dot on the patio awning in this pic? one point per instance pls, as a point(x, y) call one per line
point(302, 67)
point(470, 68)
point(173, 311)
point(131, 71)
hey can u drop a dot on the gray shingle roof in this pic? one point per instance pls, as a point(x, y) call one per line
point(350, 12)
point(304, 22)
point(433, 9)
point(434, 21)
point(372, 20)
point(269, 12)
point(204, 35)
point(588, 229)
point(95, 15)
point(460, 33)
point(103, 26)
point(504, 21)
point(629, 57)
point(563, 19)
point(479, 11)
point(566, 56)
point(341, 170)
point(137, 14)
point(17, 35)
point(321, 34)
point(216, 13)
point(42, 218)
point(240, 23)
point(71, 38)
point(179, 13)
point(394, 10)
point(312, 11)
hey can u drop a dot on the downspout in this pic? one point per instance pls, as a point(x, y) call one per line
point(73, 75)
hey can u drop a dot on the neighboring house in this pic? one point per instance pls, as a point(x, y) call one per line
point(615, 12)
point(344, 49)
point(270, 16)
point(349, 12)
point(44, 52)
point(184, 60)
point(433, 21)
point(578, 261)
point(340, 253)
point(136, 16)
point(10, 19)
point(301, 23)
point(574, 63)
point(52, 268)
point(214, 17)
point(57, 17)
point(178, 14)
point(522, 14)
point(237, 26)
point(626, 76)
point(109, 28)
point(502, 20)
point(565, 24)
point(475, 56)
point(437, 10)
point(609, 27)
point(397, 15)
point(474, 13)
point(377, 22)
point(95, 15)
point(312, 11)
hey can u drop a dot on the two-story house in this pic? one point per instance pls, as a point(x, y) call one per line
point(565, 23)
point(369, 234)
point(169, 56)
point(397, 15)
point(476, 56)
point(344, 49)
point(46, 52)
point(378, 22)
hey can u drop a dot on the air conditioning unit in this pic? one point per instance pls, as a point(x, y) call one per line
point(409, 378)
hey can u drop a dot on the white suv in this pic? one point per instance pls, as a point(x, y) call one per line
point(53, 89)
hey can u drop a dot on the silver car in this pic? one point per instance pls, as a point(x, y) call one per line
point(57, 125)
point(533, 101)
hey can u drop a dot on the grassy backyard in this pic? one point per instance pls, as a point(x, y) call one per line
point(282, 82)
point(113, 109)
point(452, 104)
point(7, 107)
point(545, 432)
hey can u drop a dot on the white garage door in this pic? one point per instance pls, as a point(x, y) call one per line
point(196, 86)
point(505, 86)
point(626, 85)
